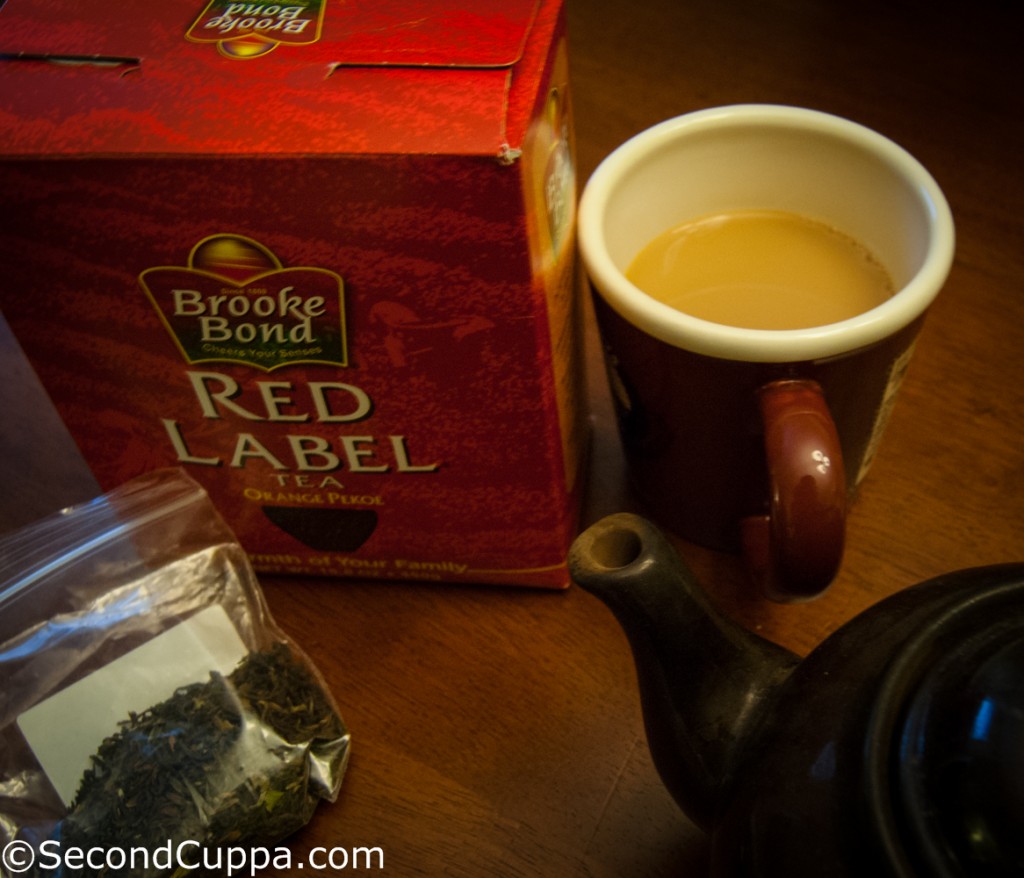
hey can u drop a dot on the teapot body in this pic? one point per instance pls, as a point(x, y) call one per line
point(796, 802)
point(891, 750)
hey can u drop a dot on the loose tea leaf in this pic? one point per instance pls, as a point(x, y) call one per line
point(229, 764)
point(240, 760)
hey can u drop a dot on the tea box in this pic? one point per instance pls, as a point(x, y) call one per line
point(319, 255)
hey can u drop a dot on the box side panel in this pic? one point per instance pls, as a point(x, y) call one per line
point(549, 190)
point(344, 351)
point(532, 71)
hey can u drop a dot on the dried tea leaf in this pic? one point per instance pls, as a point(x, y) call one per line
point(242, 759)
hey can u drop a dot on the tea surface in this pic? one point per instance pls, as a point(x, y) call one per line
point(761, 269)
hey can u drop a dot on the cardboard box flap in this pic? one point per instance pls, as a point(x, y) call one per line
point(79, 77)
point(423, 33)
point(70, 30)
point(427, 33)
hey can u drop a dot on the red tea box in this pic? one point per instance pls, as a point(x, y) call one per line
point(318, 254)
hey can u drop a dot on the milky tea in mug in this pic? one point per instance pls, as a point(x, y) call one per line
point(742, 435)
point(761, 269)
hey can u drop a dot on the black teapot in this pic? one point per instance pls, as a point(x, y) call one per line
point(896, 748)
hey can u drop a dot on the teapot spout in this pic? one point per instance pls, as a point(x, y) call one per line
point(703, 679)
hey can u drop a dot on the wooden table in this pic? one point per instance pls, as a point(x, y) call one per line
point(497, 731)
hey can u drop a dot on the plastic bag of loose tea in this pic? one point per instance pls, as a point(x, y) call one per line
point(151, 712)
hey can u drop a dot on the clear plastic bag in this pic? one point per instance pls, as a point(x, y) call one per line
point(147, 698)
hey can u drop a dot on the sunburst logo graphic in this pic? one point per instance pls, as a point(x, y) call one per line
point(250, 30)
point(235, 302)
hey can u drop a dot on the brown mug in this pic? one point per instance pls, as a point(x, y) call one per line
point(753, 440)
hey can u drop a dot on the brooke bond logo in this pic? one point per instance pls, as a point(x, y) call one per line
point(250, 30)
point(235, 302)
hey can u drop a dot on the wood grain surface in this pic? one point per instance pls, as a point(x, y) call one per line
point(497, 731)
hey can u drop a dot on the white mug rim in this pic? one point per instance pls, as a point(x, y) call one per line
point(759, 345)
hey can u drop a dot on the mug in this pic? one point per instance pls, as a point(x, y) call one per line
point(754, 440)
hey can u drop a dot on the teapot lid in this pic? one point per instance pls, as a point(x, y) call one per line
point(956, 740)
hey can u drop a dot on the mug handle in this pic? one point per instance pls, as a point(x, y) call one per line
point(793, 552)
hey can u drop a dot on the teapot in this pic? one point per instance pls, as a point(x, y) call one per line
point(896, 748)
